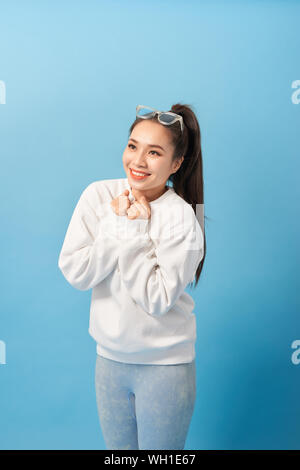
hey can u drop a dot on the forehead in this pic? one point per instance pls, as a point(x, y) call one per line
point(151, 133)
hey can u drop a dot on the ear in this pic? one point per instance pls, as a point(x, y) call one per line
point(178, 164)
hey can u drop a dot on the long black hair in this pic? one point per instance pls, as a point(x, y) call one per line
point(188, 180)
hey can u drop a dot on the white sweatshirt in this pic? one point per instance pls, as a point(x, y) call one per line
point(138, 271)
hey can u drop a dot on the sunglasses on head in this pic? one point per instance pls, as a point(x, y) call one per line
point(164, 117)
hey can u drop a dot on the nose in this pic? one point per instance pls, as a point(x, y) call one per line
point(139, 160)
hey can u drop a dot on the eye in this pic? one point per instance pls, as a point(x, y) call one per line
point(158, 154)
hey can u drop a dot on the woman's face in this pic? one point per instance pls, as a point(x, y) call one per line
point(143, 155)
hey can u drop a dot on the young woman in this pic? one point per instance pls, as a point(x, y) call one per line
point(137, 242)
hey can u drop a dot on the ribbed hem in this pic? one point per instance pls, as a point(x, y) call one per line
point(179, 354)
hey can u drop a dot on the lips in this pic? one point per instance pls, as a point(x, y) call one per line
point(138, 178)
point(139, 171)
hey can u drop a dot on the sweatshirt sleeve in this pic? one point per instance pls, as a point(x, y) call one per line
point(89, 254)
point(156, 276)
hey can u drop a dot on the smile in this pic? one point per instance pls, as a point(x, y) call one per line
point(137, 175)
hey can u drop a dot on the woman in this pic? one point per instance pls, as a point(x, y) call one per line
point(137, 243)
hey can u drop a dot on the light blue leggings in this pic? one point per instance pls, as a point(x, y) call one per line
point(144, 406)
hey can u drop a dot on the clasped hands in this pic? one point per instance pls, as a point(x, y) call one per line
point(138, 209)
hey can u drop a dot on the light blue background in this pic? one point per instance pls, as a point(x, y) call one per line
point(74, 72)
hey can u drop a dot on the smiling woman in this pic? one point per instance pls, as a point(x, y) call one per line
point(139, 267)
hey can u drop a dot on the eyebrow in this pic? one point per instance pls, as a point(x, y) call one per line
point(150, 145)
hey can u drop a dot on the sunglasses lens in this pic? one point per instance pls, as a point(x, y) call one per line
point(167, 118)
point(145, 112)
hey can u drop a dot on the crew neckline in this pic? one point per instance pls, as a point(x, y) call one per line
point(159, 199)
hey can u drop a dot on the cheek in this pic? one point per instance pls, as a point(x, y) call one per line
point(159, 168)
point(126, 157)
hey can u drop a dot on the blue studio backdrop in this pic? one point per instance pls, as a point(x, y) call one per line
point(71, 75)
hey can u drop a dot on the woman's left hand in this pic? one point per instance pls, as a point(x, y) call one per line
point(140, 208)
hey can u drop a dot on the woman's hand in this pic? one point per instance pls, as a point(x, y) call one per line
point(121, 203)
point(140, 208)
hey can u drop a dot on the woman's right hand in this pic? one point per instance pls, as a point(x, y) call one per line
point(121, 203)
